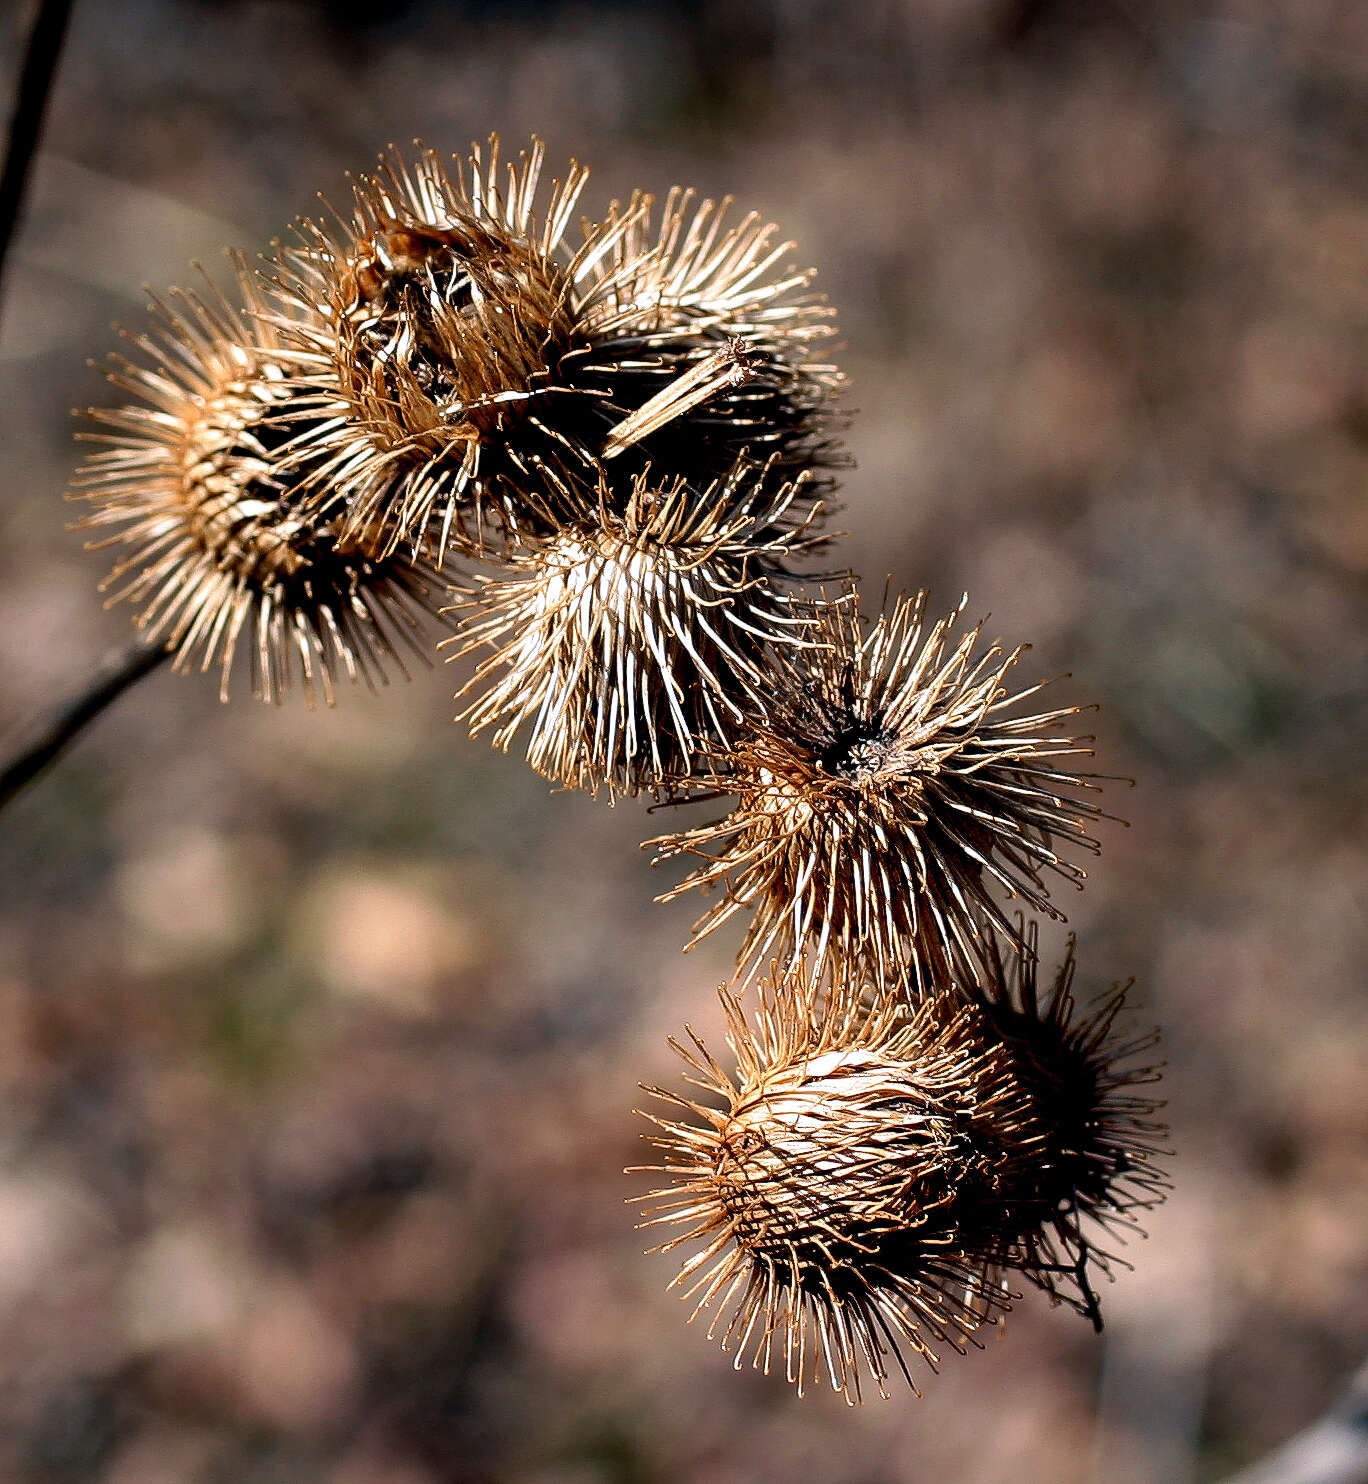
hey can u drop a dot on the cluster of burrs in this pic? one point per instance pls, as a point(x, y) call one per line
point(600, 453)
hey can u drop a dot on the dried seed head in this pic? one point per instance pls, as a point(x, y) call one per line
point(884, 794)
point(838, 1189)
point(474, 348)
point(631, 640)
point(1099, 1141)
point(875, 1164)
point(212, 482)
point(435, 313)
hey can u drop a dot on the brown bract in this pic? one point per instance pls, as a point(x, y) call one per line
point(472, 347)
point(632, 640)
point(211, 482)
point(884, 796)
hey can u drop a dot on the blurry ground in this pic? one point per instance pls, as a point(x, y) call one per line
point(319, 1035)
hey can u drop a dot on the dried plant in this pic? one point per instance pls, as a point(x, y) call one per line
point(704, 335)
point(828, 1189)
point(435, 314)
point(883, 796)
point(874, 1168)
point(635, 437)
point(473, 348)
point(630, 642)
point(212, 479)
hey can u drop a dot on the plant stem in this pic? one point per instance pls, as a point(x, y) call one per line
point(26, 122)
point(46, 738)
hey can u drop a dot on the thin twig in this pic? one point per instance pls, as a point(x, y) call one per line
point(26, 122)
point(47, 737)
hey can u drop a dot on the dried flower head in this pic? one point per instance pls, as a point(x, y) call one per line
point(876, 1164)
point(212, 481)
point(631, 640)
point(883, 796)
point(435, 314)
point(1099, 1141)
point(838, 1191)
point(473, 347)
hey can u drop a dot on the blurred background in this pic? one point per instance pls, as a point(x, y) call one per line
point(320, 1034)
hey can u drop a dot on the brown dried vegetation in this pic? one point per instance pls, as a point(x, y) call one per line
point(635, 440)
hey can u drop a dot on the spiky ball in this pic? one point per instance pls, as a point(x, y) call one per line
point(870, 1172)
point(706, 341)
point(886, 792)
point(829, 1191)
point(435, 314)
point(474, 347)
point(631, 641)
point(226, 541)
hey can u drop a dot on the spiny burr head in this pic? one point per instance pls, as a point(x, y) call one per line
point(1099, 1141)
point(707, 341)
point(434, 314)
point(209, 482)
point(890, 788)
point(630, 642)
point(871, 1171)
point(833, 1186)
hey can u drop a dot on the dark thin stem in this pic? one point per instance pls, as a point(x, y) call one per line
point(26, 122)
point(48, 736)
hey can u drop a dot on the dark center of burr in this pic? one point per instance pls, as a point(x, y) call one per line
point(858, 753)
point(400, 322)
